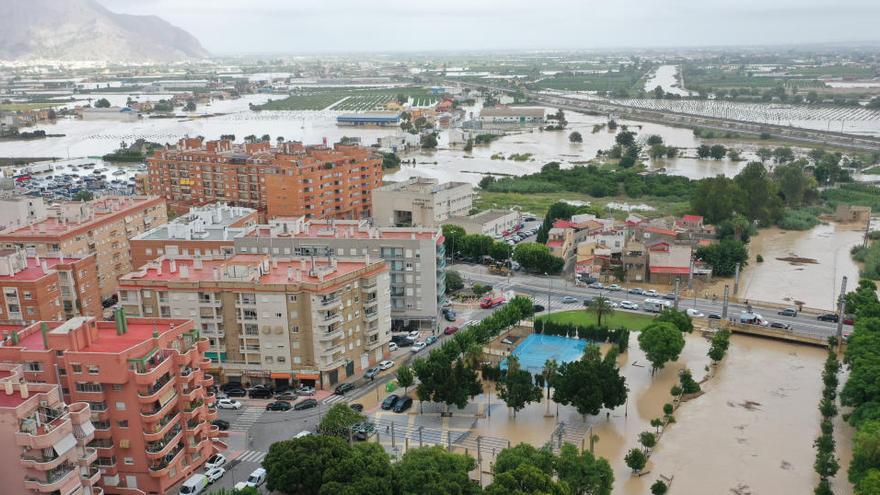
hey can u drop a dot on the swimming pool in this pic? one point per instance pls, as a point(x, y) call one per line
point(536, 349)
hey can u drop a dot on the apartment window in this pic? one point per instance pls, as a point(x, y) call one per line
point(30, 310)
point(117, 387)
point(76, 367)
point(251, 329)
point(249, 314)
point(281, 359)
point(89, 387)
point(27, 295)
point(128, 460)
point(120, 406)
point(94, 369)
point(269, 359)
point(122, 423)
point(294, 329)
point(97, 406)
point(35, 366)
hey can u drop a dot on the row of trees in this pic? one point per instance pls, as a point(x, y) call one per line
point(537, 258)
point(826, 464)
point(594, 333)
point(459, 243)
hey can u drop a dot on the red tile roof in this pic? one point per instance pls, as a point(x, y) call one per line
point(692, 218)
point(562, 224)
point(658, 230)
point(675, 270)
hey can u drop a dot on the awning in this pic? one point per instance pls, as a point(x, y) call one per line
point(64, 445)
point(166, 397)
point(307, 376)
point(281, 376)
point(85, 429)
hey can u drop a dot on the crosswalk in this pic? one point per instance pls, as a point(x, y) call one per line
point(252, 456)
point(248, 417)
point(334, 399)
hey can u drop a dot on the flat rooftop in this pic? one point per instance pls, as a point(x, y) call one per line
point(342, 229)
point(212, 233)
point(104, 208)
point(34, 270)
point(139, 331)
point(421, 185)
point(247, 268)
point(488, 215)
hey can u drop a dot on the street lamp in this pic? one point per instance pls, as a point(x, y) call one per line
point(549, 289)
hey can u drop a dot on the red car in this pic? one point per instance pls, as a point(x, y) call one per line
point(450, 330)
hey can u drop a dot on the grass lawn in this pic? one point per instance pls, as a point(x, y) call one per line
point(539, 203)
point(873, 170)
point(15, 107)
point(632, 321)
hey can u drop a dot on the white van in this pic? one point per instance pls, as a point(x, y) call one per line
point(257, 478)
point(195, 485)
point(304, 433)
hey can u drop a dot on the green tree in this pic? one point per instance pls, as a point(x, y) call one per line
point(661, 343)
point(636, 460)
point(717, 199)
point(723, 256)
point(625, 138)
point(680, 319)
point(762, 202)
point(405, 377)
point(102, 103)
point(764, 154)
point(793, 183)
point(783, 154)
point(525, 480)
point(454, 282)
point(428, 141)
point(600, 306)
point(469, 145)
point(434, 471)
point(83, 196)
point(590, 383)
point(516, 388)
point(453, 239)
point(865, 452)
point(534, 257)
point(719, 344)
point(190, 106)
point(648, 439)
point(575, 137)
point(734, 155)
point(583, 473)
point(717, 151)
point(390, 161)
point(440, 380)
point(704, 151)
point(500, 251)
point(659, 488)
point(339, 420)
point(524, 454)
point(654, 140)
point(870, 483)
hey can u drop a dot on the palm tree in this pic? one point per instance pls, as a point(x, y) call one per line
point(550, 369)
point(602, 307)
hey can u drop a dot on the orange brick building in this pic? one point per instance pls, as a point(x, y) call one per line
point(288, 180)
point(34, 288)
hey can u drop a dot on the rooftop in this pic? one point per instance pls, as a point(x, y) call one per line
point(208, 223)
point(73, 216)
point(34, 269)
point(512, 112)
point(422, 185)
point(107, 341)
point(298, 228)
point(489, 215)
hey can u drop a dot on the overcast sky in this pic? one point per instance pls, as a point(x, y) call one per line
point(313, 26)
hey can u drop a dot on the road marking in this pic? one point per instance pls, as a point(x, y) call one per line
point(252, 456)
point(335, 398)
point(247, 418)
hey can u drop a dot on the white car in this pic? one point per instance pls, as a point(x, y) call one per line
point(414, 335)
point(569, 300)
point(614, 287)
point(228, 404)
point(694, 313)
point(650, 293)
point(418, 346)
point(392, 346)
point(215, 474)
point(305, 391)
point(629, 305)
point(386, 364)
point(214, 462)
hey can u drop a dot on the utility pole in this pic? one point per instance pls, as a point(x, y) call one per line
point(867, 231)
point(675, 302)
point(736, 279)
point(725, 301)
point(549, 289)
point(841, 308)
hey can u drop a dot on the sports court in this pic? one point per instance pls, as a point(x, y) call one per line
point(536, 349)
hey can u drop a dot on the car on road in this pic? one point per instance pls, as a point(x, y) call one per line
point(221, 424)
point(714, 316)
point(279, 405)
point(386, 364)
point(569, 300)
point(215, 461)
point(257, 478)
point(628, 305)
point(418, 346)
point(828, 317)
point(650, 293)
point(637, 291)
point(221, 395)
point(614, 287)
point(788, 312)
point(371, 372)
point(430, 340)
point(449, 315)
point(363, 431)
point(260, 393)
point(392, 346)
point(305, 404)
point(389, 402)
point(693, 313)
point(537, 308)
point(305, 390)
point(236, 392)
point(286, 395)
point(450, 330)
point(414, 335)
point(669, 296)
point(342, 388)
point(215, 474)
point(596, 285)
point(356, 407)
point(402, 404)
point(228, 404)
point(779, 324)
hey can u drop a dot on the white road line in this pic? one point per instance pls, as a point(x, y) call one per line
point(252, 456)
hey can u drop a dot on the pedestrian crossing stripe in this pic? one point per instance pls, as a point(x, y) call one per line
point(247, 419)
point(253, 456)
point(334, 398)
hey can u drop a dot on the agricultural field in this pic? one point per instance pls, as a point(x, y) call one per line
point(20, 107)
point(697, 77)
point(349, 99)
point(539, 203)
point(608, 81)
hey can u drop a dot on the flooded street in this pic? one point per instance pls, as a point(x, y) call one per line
point(816, 284)
point(664, 77)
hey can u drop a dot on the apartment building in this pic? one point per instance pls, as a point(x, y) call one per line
point(100, 227)
point(415, 257)
point(488, 222)
point(18, 211)
point(147, 395)
point(35, 288)
point(421, 202)
point(288, 180)
point(204, 230)
point(314, 321)
point(46, 439)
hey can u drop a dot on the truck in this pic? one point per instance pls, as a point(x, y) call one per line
point(499, 269)
point(492, 301)
point(752, 319)
point(655, 305)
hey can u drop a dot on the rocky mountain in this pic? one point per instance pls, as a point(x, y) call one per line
point(85, 30)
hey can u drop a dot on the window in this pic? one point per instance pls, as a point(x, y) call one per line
point(249, 314)
point(128, 460)
point(93, 369)
point(122, 423)
point(76, 367)
point(89, 387)
point(269, 359)
point(294, 329)
point(30, 310)
point(27, 295)
point(35, 366)
point(281, 359)
point(117, 387)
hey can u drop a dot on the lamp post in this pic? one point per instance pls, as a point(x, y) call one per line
point(549, 289)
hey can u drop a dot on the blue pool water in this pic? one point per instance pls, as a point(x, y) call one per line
point(536, 349)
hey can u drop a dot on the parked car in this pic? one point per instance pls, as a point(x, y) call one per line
point(537, 308)
point(430, 340)
point(279, 405)
point(569, 300)
point(414, 335)
point(637, 291)
point(342, 388)
point(418, 346)
point(714, 316)
point(779, 324)
point(449, 315)
point(228, 404)
point(693, 313)
point(362, 431)
point(257, 478)
point(828, 317)
point(596, 285)
point(392, 346)
point(614, 287)
point(404, 343)
point(305, 390)
point(788, 312)
point(215, 461)
point(286, 395)
point(371, 372)
point(450, 330)
point(236, 392)
point(650, 293)
point(386, 364)
point(389, 402)
point(305, 404)
point(356, 407)
point(669, 296)
point(260, 386)
point(221, 424)
point(194, 485)
point(260, 393)
point(230, 385)
point(402, 405)
point(629, 305)
point(303, 434)
point(215, 474)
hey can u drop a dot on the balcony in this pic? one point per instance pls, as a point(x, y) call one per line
point(202, 345)
point(195, 393)
point(207, 381)
point(193, 407)
point(161, 428)
point(198, 445)
point(155, 414)
point(156, 390)
point(91, 477)
point(330, 302)
point(373, 316)
point(159, 365)
point(160, 469)
point(369, 286)
point(195, 426)
point(45, 435)
point(55, 480)
point(185, 359)
point(186, 375)
point(88, 456)
point(328, 336)
point(160, 448)
point(41, 462)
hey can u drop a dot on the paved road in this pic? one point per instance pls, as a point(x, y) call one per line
point(538, 287)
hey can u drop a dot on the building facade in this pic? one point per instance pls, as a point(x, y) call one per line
point(101, 227)
point(288, 180)
point(489, 222)
point(50, 437)
point(144, 383)
point(315, 321)
point(415, 257)
point(421, 202)
point(204, 230)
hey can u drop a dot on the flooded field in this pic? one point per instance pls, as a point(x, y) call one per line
point(665, 77)
point(816, 282)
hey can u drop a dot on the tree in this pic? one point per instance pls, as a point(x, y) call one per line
point(636, 459)
point(405, 377)
point(454, 282)
point(783, 154)
point(83, 196)
point(339, 420)
point(793, 183)
point(704, 151)
point(723, 256)
point(575, 137)
point(733, 155)
point(102, 103)
point(516, 388)
point(428, 141)
point(512, 457)
point(719, 344)
point(600, 306)
point(469, 146)
point(680, 319)
point(453, 239)
point(583, 473)
point(500, 251)
point(874, 103)
point(717, 199)
point(764, 154)
point(432, 470)
point(717, 151)
point(654, 140)
point(590, 383)
point(866, 451)
point(390, 161)
point(440, 380)
point(659, 488)
point(661, 343)
point(537, 258)
point(190, 106)
point(625, 138)
point(525, 480)
point(648, 440)
point(762, 202)
point(265, 138)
